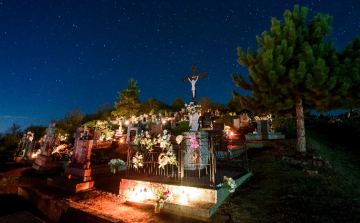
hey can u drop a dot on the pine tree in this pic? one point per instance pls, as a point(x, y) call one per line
point(294, 69)
point(129, 103)
point(350, 75)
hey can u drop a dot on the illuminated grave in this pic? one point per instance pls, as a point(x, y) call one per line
point(193, 182)
point(80, 174)
point(44, 161)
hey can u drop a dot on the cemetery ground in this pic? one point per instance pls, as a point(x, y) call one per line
point(279, 190)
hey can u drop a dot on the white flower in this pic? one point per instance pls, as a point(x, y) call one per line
point(179, 138)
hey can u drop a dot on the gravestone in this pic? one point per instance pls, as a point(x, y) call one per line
point(176, 116)
point(206, 120)
point(172, 124)
point(156, 129)
point(44, 161)
point(263, 133)
point(153, 118)
point(29, 144)
point(83, 152)
point(236, 123)
point(131, 133)
point(195, 158)
point(20, 150)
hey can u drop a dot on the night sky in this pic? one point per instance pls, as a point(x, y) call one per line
point(59, 55)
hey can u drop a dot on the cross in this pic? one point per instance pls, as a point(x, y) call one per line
point(193, 78)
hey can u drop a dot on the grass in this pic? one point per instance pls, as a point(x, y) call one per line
point(281, 192)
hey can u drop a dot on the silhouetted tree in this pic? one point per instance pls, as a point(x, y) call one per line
point(293, 69)
point(129, 103)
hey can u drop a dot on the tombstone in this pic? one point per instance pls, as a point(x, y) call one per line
point(194, 121)
point(206, 120)
point(156, 129)
point(83, 152)
point(176, 116)
point(217, 113)
point(236, 123)
point(44, 161)
point(80, 174)
point(29, 144)
point(263, 127)
point(202, 153)
point(20, 150)
point(166, 114)
point(153, 118)
point(145, 116)
point(263, 133)
point(131, 133)
point(172, 124)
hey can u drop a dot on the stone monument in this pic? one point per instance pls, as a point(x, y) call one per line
point(44, 161)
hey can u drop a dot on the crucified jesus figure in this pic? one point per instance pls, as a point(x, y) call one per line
point(193, 82)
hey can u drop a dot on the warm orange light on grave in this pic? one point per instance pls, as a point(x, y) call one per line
point(121, 140)
point(34, 155)
point(231, 133)
point(183, 198)
point(69, 176)
point(140, 193)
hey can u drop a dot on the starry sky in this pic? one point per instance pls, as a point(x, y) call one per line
point(59, 55)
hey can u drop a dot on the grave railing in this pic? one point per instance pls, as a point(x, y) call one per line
point(143, 163)
point(204, 166)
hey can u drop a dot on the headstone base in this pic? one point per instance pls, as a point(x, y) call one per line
point(76, 179)
point(43, 163)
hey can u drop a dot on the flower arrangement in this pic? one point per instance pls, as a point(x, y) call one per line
point(179, 139)
point(145, 140)
point(193, 141)
point(229, 184)
point(138, 160)
point(167, 158)
point(115, 164)
point(164, 139)
point(192, 108)
point(163, 195)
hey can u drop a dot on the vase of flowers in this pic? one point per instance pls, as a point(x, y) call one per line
point(162, 195)
point(229, 183)
point(116, 165)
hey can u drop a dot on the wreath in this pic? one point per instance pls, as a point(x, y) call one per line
point(163, 160)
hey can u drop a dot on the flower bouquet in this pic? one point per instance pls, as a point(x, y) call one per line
point(229, 184)
point(116, 164)
point(162, 195)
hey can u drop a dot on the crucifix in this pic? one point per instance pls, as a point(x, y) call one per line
point(193, 78)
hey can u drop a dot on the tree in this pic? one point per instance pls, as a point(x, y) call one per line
point(205, 103)
point(294, 69)
point(350, 75)
point(234, 104)
point(15, 130)
point(129, 103)
point(153, 106)
point(178, 104)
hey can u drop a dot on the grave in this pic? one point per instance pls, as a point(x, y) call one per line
point(44, 161)
point(132, 131)
point(245, 121)
point(29, 144)
point(206, 121)
point(23, 152)
point(263, 133)
point(80, 174)
point(236, 123)
point(196, 158)
point(156, 129)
